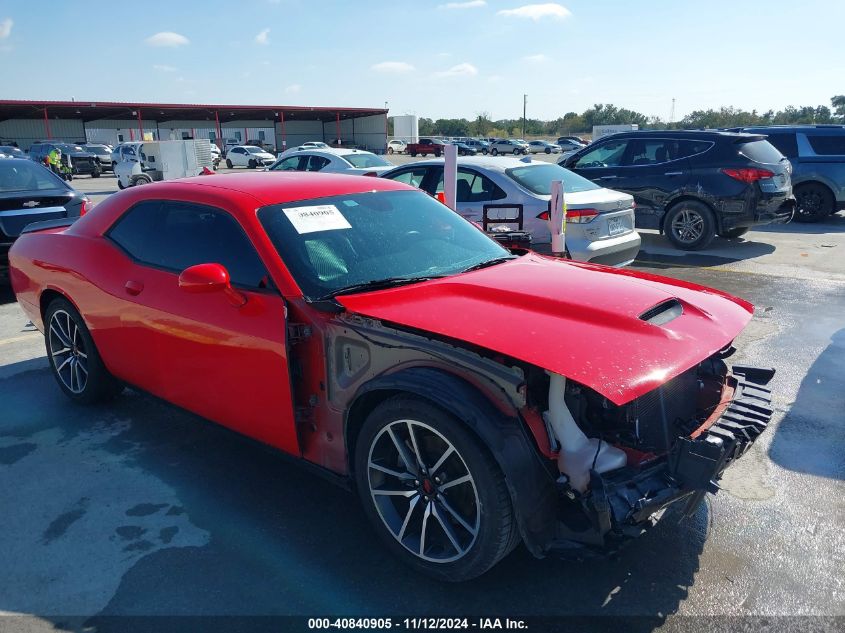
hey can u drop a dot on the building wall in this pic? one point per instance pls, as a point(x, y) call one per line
point(114, 131)
point(25, 132)
point(298, 132)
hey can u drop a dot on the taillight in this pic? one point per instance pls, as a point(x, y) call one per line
point(86, 207)
point(576, 216)
point(748, 174)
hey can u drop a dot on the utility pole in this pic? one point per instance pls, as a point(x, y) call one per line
point(524, 106)
point(672, 112)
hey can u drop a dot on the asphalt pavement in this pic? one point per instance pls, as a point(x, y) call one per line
point(136, 508)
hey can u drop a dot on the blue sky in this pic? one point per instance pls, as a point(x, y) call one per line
point(432, 58)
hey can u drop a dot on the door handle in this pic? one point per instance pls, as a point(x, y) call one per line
point(133, 288)
point(674, 173)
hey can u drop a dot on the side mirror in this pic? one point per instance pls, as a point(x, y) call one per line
point(205, 278)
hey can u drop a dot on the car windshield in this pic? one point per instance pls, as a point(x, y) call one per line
point(366, 160)
point(332, 243)
point(9, 149)
point(252, 149)
point(537, 178)
point(23, 175)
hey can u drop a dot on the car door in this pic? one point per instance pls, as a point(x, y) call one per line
point(601, 162)
point(222, 361)
point(475, 193)
point(653, 170)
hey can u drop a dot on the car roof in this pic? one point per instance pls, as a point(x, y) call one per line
point(491, 163)
point(334, 151)
point(794, 128)
point(680, 134)
point(281, 187)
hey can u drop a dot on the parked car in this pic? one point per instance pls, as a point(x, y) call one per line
point(362, 327)
point(426, 146)
point(568, 145)
point(29, 192)
point(164, 160)
point(575, 139)
point(248, 156)
point(543, 147)
point(349, 161)
point(82, 162)
point(507, 146)
point(516, 194)
point(103, 154)
point(125, 151)
point(817, 155)
point(480, 146)
point(464, 149)
point(396, 146)
point(693, 185)
point(11, 151)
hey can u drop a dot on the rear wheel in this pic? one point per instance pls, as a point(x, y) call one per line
point(413, 154)
point(432, 491)
point(252, 164)
point(96, 173)
point(517, 151)
point(690, 225)
point(228, 163)
point(548, 150)
point(389, 150)
point(494, 151)
point(733, 233)
point(74, 359)
point(141, 180)
point(813, 202)
point(120, 184)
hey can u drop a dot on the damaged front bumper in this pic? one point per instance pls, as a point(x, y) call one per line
point(624, 503)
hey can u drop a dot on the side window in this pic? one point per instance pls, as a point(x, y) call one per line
point(651, 152)
point(826, 145)
point(291, 163)
point(316, 163)
point(786, 144)
point(413, 177)
point(176, 235)
point(605, 155)
point(474, 187)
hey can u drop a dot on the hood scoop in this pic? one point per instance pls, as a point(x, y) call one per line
point(663, 312)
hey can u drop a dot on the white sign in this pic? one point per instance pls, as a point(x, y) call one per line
point(321, 217)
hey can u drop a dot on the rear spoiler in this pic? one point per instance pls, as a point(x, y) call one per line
point(747, 137)
point(60, 223)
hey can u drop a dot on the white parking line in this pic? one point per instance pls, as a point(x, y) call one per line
point(17, 339)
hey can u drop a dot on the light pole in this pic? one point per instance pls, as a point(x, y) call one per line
point(524, 105)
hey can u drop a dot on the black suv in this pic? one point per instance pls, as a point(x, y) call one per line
point(692, 185)
point(817, 154)
point(82, 161)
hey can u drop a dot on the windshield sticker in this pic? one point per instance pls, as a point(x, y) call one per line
point(321, 217)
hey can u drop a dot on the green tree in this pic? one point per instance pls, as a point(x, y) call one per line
point(838, 103)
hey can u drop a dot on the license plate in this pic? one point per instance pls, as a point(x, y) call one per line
point(616, 226)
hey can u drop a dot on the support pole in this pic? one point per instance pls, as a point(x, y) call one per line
point(450, 175)
point(337, 128)
point(140, 125)
point(557, 219)
point(219, 131)
point(47, 125)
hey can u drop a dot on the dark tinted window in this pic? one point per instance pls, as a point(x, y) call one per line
point(761, 152)
point(316, 163)
point(785, 143)
point(473, 187)
point(176, 235)
point(828, 145)
point(291, 163)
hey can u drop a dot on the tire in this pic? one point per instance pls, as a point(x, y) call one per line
point(494, 151)
point(251, 164)
point(413, 154)
point(813, 202)
point(430, 495)
point(141, 180)
point(95, 174)
point(389, 150)
point(517, 151)
point(731, 234)
point(690, 225)
point(484, 151)
point(548, 150)
point(228, 163)
point(120, 185)
point(74, 359)
point(437, 154)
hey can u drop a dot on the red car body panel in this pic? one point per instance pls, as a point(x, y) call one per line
point(575, 319)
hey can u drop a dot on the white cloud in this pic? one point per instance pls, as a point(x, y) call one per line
point(392, 67)
point(471, 4)
point(6, 28)
point(167, 39)
point(539, 58)
point(459, 70)
point(165, 68)
point(262, 38)
point(538, 11)
point(293, 89)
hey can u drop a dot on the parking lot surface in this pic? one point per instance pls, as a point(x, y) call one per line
point(137, 508)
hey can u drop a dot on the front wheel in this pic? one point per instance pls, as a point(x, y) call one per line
point(228, 163)
point(95, 174)
point(141, 180)
point(517, 152)
point(484, 151)
point(432, 491)
point(690, 225)
point(74, 359)
point(389, 150)
point(494, 151)
point(252, 164)
point(812, 202)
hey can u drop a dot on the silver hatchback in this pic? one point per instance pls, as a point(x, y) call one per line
point(515, 193)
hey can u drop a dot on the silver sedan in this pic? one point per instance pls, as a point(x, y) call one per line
point(515, 193)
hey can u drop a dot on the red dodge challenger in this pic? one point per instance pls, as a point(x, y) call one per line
point(474, 397)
